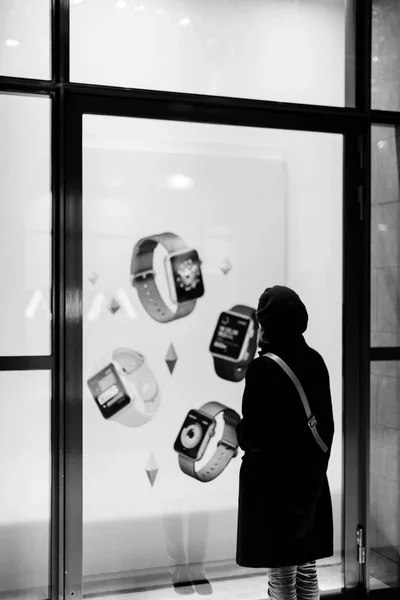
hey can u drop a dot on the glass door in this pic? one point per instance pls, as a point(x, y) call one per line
point(236, 209)
point(240, 209)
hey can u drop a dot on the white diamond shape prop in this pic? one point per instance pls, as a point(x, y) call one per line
point(171, 358)
point(225, 266)
point(114, 306)
point(93, 277)
point(151, 468)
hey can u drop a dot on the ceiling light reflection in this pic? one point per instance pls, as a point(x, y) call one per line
point(12, 43)
point(185, 21)
point(179, 181)
point(121, 4)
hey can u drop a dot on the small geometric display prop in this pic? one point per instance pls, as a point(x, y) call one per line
point(225, 266)
point(171, 358)
point(114, 306)
point(151, 468)
point(93, 277)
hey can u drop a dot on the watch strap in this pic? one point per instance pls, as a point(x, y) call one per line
point(131, 415)
point(214, 467)
point(143, 277)
point(140, 381)
point(237, 371)
point(227, 447)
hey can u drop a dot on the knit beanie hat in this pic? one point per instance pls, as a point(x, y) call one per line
point(281, 313)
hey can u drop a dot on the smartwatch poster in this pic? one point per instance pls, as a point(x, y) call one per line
point(180, 236)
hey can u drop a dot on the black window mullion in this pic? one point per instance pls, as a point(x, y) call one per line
point(385, 354)
point(60, 41)
point(363, 54)
point(26, 363)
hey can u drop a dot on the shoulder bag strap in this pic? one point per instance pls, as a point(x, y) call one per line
point(312, 421)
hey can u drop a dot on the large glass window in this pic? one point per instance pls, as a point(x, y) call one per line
point(386, 55)
point(25, 477)
point(384, 510)
point(385, 250)
point(282, 50)
point(25, 225)
point(383, 531)
point(25, 38)
point(245, 208)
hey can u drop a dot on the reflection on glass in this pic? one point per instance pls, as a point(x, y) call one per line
point(384, 510)
point(25, 225)
point(385, 248)
point(25, 477)
point(246, 208)
point(295, 53)
point(25, 38)
point(386, 55)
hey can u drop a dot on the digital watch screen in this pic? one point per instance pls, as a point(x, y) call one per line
point(187, 277)
point(191, 436)
point(108, 391)
point(230, 335)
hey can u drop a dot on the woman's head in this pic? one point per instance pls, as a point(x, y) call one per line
point(281, 314)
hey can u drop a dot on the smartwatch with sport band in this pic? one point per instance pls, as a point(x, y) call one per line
point(185, 281)
point(234, 342)
point(125, 390)
point(195, 435)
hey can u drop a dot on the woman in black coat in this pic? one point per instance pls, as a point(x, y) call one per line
point(285, 512)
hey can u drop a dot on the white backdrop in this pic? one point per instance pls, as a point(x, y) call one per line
point(230, 206)
point(254, 196)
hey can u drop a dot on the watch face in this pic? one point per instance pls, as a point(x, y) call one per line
point(186, 273)
point(108, 391)
point(195, 429)
point(230, 335)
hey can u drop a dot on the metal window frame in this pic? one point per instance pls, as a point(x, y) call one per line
point(190, 109)
point(69, 102)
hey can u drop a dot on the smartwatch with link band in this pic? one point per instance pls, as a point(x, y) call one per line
point(234, 342)
point(125, 390)
point(185, 281)
point(195, 435)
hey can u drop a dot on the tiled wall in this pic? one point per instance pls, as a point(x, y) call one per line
point(386, 55)
point(384, 527)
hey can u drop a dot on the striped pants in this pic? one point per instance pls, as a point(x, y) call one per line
point(293, 583)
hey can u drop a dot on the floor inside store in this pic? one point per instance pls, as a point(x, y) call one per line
point(250, 587)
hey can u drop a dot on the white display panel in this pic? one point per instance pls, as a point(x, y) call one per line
point(25, 225)
point(25, 38)
point(234, 194)
point(294, 53)
point(26, 485)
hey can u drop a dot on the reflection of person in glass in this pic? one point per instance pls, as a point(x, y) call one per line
point(285, 512)
point(187, 549)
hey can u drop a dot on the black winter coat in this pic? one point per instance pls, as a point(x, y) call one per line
point(285, 508)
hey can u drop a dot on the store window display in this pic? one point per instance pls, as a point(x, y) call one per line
point(182, 223)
